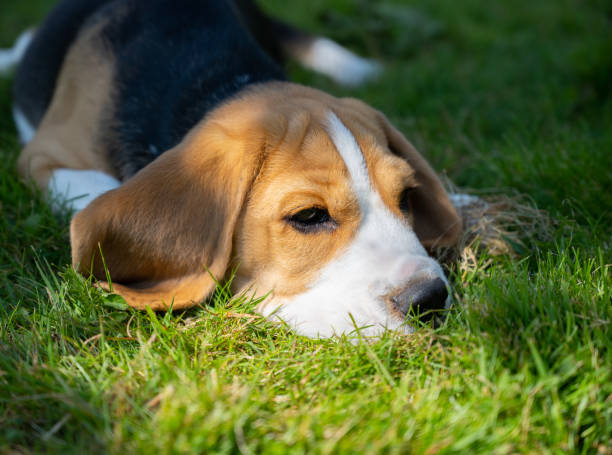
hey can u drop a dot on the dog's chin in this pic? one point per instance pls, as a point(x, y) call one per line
point(318, 320)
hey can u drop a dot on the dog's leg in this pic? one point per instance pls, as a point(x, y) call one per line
point(11, 57)
point(64, 154)
point(317, 53)
point(74, 189)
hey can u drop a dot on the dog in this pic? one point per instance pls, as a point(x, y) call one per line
point(170, 129)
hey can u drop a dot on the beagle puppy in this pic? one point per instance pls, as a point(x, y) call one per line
point(169, 127)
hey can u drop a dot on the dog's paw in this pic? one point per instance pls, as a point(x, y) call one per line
point(74, 189)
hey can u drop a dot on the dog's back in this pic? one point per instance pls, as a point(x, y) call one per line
point(171, 63)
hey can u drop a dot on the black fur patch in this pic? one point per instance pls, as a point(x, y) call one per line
point(175, 61)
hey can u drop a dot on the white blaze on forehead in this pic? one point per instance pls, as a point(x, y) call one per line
point(382, 232)
point(351, 153)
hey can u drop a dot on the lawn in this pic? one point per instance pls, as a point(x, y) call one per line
point(504, 98)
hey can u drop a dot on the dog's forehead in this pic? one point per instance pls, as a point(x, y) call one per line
point(338, 144)
point(331, 159)
point(359, 149)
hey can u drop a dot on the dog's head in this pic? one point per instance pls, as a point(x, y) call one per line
point(317, 199)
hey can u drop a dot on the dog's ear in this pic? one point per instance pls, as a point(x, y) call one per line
point(436, 222)
point(168, 230)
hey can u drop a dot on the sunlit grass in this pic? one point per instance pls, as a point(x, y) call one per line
point(502, 97)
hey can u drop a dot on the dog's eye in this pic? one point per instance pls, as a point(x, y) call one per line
point(405, 204)
point(312, 219)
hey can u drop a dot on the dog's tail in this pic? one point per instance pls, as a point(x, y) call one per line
point(9, 58)
point(283, 41)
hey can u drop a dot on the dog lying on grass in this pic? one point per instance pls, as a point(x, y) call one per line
point(171, 130)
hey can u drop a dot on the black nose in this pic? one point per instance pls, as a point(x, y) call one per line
point(423, 299)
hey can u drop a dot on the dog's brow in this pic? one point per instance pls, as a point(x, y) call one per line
point(352, 155)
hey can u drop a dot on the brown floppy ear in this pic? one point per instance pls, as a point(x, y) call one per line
point(167, 229)
point(436, 222)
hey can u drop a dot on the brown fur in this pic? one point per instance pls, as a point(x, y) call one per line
point(169, 228)
point(219, 199)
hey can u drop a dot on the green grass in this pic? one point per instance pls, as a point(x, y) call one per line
point(501, 96)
